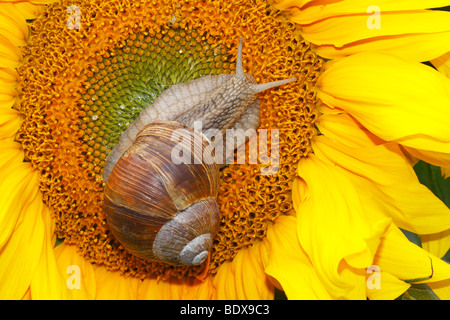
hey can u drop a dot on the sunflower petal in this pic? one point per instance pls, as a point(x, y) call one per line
point(77, 272)
point(29, 10)
point(290, 265)
point(10, 55)
point(403, 259)
point(8, 77)
point(36, 2)
point(244, 277)
point(389, 287)
point(387, 173)
point(111, 285)
point(344, 28)
point(437, 243)
point(317, 11)
point(18, 187)
point(42, 1)
point(48, 283)
point(442, 63)
point(345, 129)
point(20, 256)
point(439, 159)
point(176, 289)
point(10, 122)
point(441, 289)
point(8, 96)
point(338, 232)
point(12, 153)
point(426, 46)
point(413, 109)
point(445, 171)
point(13, 24)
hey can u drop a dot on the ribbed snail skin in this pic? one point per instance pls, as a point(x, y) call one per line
point(147, 192)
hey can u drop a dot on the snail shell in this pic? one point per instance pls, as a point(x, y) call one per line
point(161, 209)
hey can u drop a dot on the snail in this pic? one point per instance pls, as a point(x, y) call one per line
point(161, 209)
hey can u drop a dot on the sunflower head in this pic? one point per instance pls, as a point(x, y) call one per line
point(82, 87)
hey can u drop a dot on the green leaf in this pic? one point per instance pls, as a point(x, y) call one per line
point(418, 292)
point(58, 241)
point(446, 257)
point(431, 177)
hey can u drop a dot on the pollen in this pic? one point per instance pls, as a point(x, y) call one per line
point(82, 86)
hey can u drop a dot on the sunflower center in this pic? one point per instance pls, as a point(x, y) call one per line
point(81, 88)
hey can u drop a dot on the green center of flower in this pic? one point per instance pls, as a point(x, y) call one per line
point(129, 79)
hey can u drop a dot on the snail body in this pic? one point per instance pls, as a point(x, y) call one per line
point(161, 209)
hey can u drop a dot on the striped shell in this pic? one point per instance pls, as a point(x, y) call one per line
point(159, 207)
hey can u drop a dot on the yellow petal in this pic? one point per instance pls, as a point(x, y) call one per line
point(13, 24)
point(12, 153)
point(18, 188)
point(345, 129)
point(7, 94)
point(412, 109)
point(8, 77)
point(112, 285)
point(285, 4)
point(389, 287)
point(77, 272)
point(347, 27)
point(405, 260)
point(441, 289)
point(442, 63)
point(20, 255)
point(243, 277)
point(435, 158)
point(318, 11)
point(388, 175)
point(27, 295)
point(10, 122)
point(36, 2)
point(43, 1)
point(48, 283)
point(290, 265)
point(177, 289)
point(10, 55)
point(445, 172)
point(415, 47)
point(29, 10)
point(337, 229)
point(437, 243)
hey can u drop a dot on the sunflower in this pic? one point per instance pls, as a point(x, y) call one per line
point(326, 225)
